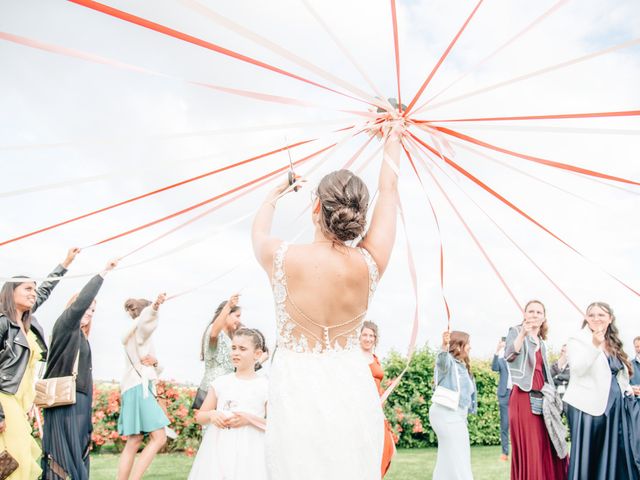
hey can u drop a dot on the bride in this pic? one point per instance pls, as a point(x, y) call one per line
point(325, 420)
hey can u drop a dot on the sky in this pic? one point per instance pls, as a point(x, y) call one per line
point(77, 135)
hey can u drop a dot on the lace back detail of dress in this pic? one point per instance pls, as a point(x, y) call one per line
point(293, 335)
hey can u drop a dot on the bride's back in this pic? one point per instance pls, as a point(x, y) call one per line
point(322, 289)
point(327, 292)
point(329, 284)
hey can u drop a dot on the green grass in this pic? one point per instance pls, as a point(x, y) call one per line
point(407, 465)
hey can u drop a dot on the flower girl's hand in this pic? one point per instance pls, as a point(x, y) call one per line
point(237, 421)
point(218, 419)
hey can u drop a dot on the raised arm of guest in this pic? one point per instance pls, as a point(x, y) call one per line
point(220, 322)
point(46, 287)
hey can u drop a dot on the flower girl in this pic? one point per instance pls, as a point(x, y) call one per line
point(233, 414)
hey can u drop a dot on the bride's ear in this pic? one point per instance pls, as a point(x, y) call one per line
point(315, 212)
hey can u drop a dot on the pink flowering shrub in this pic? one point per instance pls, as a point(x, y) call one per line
point(177, 401)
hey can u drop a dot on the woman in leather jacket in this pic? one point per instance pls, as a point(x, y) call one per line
point(22, 344)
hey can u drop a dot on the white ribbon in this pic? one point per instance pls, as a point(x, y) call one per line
point(542, 71)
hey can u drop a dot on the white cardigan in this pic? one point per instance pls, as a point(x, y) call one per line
point(590, 379)
point(137, 344)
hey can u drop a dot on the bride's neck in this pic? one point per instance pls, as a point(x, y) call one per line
point(320, 237)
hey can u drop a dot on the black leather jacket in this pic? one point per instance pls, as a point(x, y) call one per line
point(14, 348)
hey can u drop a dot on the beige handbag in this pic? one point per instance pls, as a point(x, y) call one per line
point(58, 391)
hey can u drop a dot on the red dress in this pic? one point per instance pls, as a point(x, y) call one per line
point(533, 456)
point(389, 445)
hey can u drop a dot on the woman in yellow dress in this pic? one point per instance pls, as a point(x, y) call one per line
point(22, 345)
point(16, 437)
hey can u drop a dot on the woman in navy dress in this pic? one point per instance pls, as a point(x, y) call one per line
point(600, 399)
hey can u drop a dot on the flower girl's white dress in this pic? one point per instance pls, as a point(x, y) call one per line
point(235, 453)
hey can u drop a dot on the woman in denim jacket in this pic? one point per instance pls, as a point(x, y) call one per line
point(453, 372)
point(532, 454)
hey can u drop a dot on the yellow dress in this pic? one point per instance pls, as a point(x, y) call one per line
point(17, 438)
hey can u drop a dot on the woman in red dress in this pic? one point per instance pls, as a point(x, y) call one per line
point(533, 456)
point(368, 341)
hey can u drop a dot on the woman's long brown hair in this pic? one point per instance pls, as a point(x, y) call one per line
point(215, 315)
point(457, 341)
point(8, 306)
point(611, 336)
point(544, 328)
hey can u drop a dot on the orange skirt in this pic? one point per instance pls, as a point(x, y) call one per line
point(389, 449)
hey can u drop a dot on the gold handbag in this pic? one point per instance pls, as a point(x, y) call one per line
point(57, 391)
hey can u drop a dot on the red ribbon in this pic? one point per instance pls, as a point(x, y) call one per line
point(154, 192)
point(128, 17)
point(396, 45)
point(513, 242)
point(435, 217)
point(444, 55)
point(474, 238)
point(212, 199)
point(624, 113)
point(488, 189)
point(416, 317)
point(543, 161)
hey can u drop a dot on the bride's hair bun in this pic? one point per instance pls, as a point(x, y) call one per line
point(344, 199)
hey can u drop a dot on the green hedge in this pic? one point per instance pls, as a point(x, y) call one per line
point(408, 406)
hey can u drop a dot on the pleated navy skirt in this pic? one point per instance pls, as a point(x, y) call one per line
point(605, 447)
point(67, 440)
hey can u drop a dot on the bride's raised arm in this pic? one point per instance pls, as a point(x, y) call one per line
point(382, 232)
point(264, 244)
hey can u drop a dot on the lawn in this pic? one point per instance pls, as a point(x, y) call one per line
point(407, 465)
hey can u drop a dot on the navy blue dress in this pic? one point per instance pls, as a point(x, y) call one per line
point(601, 447)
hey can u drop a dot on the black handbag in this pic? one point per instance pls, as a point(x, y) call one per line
point(201, 394)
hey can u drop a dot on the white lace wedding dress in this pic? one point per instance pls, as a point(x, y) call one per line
point(324, 420)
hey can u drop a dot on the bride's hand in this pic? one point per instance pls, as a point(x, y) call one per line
point(283, 188)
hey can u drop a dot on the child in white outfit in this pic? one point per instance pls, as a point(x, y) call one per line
point(234, 413)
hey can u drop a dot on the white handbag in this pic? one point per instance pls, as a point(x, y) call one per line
point(445, 396)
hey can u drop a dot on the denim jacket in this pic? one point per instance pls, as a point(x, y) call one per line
point(523, 363)
point(445, 364)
